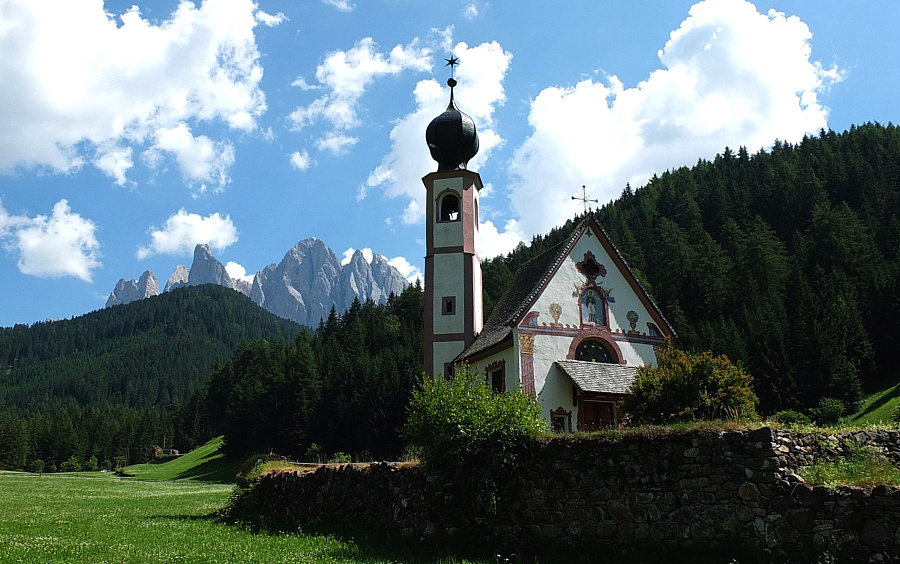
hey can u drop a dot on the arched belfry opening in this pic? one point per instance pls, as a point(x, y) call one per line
point(449, 207)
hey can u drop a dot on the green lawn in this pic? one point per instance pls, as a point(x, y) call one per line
point(100, 518)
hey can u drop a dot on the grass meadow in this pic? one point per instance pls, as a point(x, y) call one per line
point(100, 518)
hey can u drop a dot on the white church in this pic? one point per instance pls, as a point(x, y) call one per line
point(575, 323)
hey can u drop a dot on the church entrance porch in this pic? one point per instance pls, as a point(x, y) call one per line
point(597, 390)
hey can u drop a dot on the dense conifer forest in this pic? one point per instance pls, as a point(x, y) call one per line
point(178, 369)
point(343, 388)
point(105, 384)
point(787, 261)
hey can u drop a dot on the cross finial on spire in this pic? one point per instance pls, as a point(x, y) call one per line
point(584, 199)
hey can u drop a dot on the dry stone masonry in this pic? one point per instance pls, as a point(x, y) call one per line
point(660, 486)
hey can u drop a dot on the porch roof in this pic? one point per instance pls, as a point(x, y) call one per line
point(598, 377)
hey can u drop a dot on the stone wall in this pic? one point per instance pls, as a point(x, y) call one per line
point(666, 487)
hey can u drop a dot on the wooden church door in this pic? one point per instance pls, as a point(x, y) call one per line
point(595, 415)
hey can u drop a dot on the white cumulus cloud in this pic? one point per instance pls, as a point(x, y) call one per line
point(342, 5)
point(63, 244)
point(344, 77)
point(87, 86)
point(200, 158)
point(731, 77)
point(300, 161)
point(183, 231)
point(336, 143)
point(479, 93)
point(405, 268)
point(491, 242)
point(301, 83)
point(115, 161)
point(238, 272)
point(270, 20)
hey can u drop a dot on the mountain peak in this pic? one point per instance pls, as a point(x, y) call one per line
point(206, 269)
point(179, 278)
point(127, 291)
point(303, 287)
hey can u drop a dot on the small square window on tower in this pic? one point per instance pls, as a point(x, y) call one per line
point(448, 306)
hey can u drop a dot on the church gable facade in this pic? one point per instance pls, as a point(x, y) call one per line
point(572, 328)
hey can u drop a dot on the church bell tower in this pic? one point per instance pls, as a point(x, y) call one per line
point(453, 299)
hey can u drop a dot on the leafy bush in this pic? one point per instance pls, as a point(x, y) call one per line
point(469, 434)
point(73, 464)
point(829, 411)
point(315, 453)
point(791, 417)
point(340, 458)
point(690, 387)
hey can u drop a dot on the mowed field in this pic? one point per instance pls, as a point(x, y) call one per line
point(100, 518)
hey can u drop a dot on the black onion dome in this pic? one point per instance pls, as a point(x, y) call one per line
point(451, 137)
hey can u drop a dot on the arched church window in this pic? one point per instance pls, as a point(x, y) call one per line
point(449, 210)
point(592, 351)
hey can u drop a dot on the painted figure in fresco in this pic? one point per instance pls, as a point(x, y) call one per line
point(591, 304)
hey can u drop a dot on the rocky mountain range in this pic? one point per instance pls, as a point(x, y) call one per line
point(303, 287)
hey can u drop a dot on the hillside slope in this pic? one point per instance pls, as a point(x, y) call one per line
point(148, 353)
point(206, 463)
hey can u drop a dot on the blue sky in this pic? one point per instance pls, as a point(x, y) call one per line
point(130, 134)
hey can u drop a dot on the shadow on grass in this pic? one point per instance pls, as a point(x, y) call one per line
point(377, 546)
point(218, 470)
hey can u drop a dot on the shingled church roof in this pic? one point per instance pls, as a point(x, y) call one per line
point(598, 377)
point(524, 286)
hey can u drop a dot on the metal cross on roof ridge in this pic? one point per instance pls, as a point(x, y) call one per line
point(584, 199)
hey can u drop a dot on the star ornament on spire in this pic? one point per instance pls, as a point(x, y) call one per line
point(452, 62)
